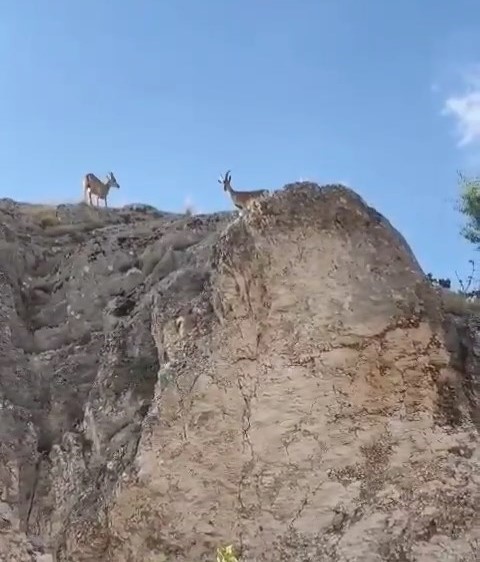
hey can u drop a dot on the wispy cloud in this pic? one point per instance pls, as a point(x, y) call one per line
point(464, 108)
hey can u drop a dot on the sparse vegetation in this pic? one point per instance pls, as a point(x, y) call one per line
point(226, 554)
point(467, 285)
point(45, 222)
point(444, 283)
point(467, 298)
point(44, 215)
point(469, 206)
point(464, 301)
point(458, 304)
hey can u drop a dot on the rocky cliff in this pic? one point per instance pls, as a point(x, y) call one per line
point(287, 382)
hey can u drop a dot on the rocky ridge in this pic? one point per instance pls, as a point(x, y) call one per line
point(288, 382)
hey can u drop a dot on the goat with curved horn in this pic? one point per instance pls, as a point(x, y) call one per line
point(241, 199)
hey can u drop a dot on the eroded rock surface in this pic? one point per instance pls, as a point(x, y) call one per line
point(287, 382)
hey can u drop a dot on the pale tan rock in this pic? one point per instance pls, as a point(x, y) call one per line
point(287, 383)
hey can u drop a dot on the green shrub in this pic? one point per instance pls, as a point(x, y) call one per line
point(226, 554)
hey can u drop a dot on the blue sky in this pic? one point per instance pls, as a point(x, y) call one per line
point(384, 96)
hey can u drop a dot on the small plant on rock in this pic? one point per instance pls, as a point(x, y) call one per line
point(226, 554)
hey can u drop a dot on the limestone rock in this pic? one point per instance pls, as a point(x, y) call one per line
point(286, 382)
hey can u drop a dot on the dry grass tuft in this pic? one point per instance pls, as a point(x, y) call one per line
point(43, 215)
point(458, 304)
point(48, 221)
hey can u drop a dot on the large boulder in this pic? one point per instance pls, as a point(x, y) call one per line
point(287, 382)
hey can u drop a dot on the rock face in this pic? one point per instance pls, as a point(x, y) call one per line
point(286, 382)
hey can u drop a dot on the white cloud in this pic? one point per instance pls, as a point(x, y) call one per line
point(465, 109)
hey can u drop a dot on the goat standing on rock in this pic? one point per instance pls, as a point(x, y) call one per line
point(93, 185)
point(241, 199)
